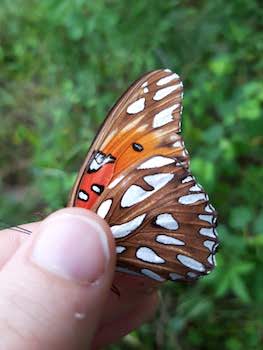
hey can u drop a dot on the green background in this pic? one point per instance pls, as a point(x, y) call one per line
point(64, 63)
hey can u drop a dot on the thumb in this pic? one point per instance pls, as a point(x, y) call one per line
point(53, 289)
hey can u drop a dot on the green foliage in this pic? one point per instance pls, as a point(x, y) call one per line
point(62, 65)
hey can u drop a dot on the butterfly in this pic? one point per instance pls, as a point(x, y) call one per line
point(136, 176)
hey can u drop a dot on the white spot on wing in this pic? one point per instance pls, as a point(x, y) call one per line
point(145, 90)
point(152, 275)
point(104, 208)
point(210, 259)
point(82, 195)
point(209, 208)
point(192, 275)
point(164, 239)
point(167, 221)
point(156, 162)
point(209, 245)
point(136, 106)
point(145, 84)
point(96, 189)
point(208, 218)
point(149, 255)
point(190, 262)
point(162, 93)
point(164, 117)
point(120, 249)
point(177, 144)
point(209, 232)
point(167, 80)
point(136, 194)
point(187, 179)
point(125, 229)
point(175, 276)
point(191, 198)
point(195, 188)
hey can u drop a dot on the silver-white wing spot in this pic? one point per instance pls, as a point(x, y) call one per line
point(164, 117)
point(187, 179)
point(208, 218)
point(136, 194)
point(83, 196)
point(192, 275)
point(104, 208)
point(162, 93)
point(156, 162)
point(123, 230)
point(209, 245)
point(178, 144)
point(167, 221)
point(152, 275)
point(190, 262)
point(164, 239)
point(167, 80)
point(116, 181)
point(209, 208)
point(211, 259)
point(136, 106)
point(191, 198)
point(96, 189)
point(195, 188)
point(175, 276)
point(209, 232)
point(120, 249)
point(149, 255)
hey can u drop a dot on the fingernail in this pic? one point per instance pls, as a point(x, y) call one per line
point(73, 247)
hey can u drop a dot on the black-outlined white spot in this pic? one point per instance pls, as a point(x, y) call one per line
point(152, 275)
point(191, 263)
point(97, 188)
point(137, 147)
point(168, 240)
point(164, 116)
point(167, 221)
point(137, 106)
point(104, 208)
point(123, 230)
point(162, 93)
point(149, 255)
point(191, 198)
point(83, 196)
point(136, 194)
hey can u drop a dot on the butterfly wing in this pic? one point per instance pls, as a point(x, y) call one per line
point(136, 176)
point(149, 112)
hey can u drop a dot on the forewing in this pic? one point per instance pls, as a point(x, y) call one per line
point(147, 114)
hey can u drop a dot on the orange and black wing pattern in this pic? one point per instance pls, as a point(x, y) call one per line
point(136, 176)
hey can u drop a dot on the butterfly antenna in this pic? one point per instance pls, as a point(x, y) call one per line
point(20, 229)
point(17, 228)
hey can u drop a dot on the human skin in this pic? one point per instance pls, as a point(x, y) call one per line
point(56, 286)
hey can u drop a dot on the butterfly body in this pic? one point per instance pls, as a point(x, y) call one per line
point(160, 217)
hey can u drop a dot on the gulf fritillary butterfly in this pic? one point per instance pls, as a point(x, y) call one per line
point(136, 176)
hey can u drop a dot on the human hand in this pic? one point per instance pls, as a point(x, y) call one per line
point(55, 286)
